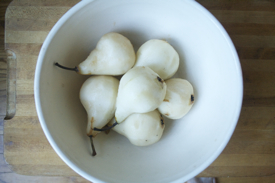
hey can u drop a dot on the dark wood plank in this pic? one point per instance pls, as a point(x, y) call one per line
point(261, 118)
point(259, 79)
point(251, 179)
point(256, 53)
point(239, 171)
point(250, 29)
point(67, 3)
point(251, 142)
point(259, 102)
point(235, 16)
point(241, 5)
point(253, 41)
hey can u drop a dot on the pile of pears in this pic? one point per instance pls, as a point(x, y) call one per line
point(133, 106)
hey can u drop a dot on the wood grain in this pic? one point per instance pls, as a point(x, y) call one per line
point(15, 178)
point(243, 5)
point(248, 157)
point(257, 17)
point(264, 179)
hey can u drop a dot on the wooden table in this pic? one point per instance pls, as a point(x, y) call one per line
point(250, 154)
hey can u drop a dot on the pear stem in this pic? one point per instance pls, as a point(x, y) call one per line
point(66, 68)
point(92, 144)
point(105, 129)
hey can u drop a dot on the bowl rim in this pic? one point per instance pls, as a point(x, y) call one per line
point(76, 168)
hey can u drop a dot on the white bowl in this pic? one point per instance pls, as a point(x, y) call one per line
point(208, 60)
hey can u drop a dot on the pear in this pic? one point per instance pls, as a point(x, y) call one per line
point(98, 97)
point(141, 129)
point(178, 100)
point(113, 55)
point(141, 90)
point(160, 56)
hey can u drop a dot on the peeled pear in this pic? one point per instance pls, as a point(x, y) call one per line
point(141, 129)
point(98, 97)
point(114, 55)
point(160, 56)
point(178, 100)
point(141, 90)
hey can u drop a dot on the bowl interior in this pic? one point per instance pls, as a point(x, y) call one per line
point(207, 59)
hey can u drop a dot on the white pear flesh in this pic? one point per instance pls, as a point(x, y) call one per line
point(160, 56)
point(113, 55)
point(178, 100)
point(98, 97)
point(142, 129)
point(141, 90)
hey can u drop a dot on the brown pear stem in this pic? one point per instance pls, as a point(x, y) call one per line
point(105, 129)
point(92, 144)
point(66, 68)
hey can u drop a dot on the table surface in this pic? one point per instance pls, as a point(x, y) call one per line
point(250, 154)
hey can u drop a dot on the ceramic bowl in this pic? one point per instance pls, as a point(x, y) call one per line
point(208, 60)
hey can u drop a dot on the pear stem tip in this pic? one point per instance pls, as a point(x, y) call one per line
point(92, 144)
point(66, 68)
